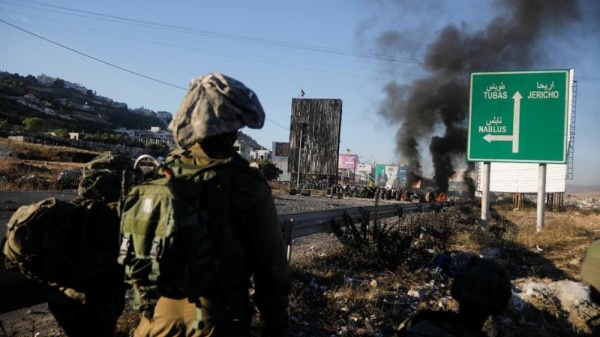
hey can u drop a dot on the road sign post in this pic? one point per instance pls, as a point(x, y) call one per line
point(520, 116)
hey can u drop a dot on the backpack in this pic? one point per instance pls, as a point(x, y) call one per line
point(106, 177)
point(63, 243)
point(71, 244)
point(169, 226)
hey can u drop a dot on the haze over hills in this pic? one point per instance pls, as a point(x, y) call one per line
point(74, 108)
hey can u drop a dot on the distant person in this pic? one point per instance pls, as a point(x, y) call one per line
point(590, 274)
point(205, 127)
point(482, 288)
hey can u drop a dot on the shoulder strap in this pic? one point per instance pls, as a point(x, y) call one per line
point(179, 167)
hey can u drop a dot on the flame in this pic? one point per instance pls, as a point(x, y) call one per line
point(417, 184)
point(441, 197)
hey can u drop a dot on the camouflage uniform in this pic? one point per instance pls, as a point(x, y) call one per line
point(93, 307)
point(206, 124)
point(590, 274)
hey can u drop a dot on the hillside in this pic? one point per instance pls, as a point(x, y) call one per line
point(68, 108)
point(73, 110)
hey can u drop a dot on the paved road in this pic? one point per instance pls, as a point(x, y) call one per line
point(10, 201)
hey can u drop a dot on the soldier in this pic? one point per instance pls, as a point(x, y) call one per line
point(93, 304)
point(482, 288)
point(206, 124)
point(590, 274)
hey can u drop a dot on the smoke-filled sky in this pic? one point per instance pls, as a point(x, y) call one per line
point(400, 67)
point(433, 110)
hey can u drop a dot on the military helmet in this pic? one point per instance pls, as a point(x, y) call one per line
point(215, 104)
point(102, 176)
point(482, 284)
point(590, 267)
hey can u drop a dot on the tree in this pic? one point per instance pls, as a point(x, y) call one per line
point(157, 150)
point(30, 79)
point(33, 124)
point(62, 133)
point(268, 169)
point(58, 83)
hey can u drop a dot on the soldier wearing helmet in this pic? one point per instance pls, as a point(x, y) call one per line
point(205, 128)
point(482, 288)
point(85, 289)
point(590, 274)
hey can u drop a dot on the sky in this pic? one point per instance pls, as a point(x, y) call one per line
point(144, 53)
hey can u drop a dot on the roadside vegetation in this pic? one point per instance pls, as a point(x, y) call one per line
point(373, 278)
point(26, 166)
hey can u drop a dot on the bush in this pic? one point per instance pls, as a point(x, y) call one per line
point(389, 244)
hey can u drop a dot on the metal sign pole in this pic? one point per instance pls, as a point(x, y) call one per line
point(485, 193)
point(541, 198)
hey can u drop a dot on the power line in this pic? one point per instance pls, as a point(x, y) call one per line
point(235, 55)
point(110, 64)
point(148, 24)
point(256, 40)
point(92, 57)
point(236, 37)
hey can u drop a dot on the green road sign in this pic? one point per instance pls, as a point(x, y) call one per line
point(519, 116)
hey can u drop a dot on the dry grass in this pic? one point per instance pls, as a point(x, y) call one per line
point(27, 166)
point(42, 152)
point(335, 294)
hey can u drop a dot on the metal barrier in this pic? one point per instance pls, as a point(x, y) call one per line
point(298, 225)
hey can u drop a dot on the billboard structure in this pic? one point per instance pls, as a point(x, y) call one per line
point(523, 178)
point(391, 176)
point(363, 171)
point(280, 154)
point(315, 137)
point(401, 176)
point(348, 162)
point(281, 150)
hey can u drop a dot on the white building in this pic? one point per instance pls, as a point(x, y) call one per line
point(243, 151)
point(164, 115)
point(260, 154)
point(76, 86)
point(144, 111)
point(45, 80)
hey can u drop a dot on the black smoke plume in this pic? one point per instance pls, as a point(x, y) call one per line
point(438, 103)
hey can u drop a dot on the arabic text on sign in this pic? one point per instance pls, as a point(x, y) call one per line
point(545, 86)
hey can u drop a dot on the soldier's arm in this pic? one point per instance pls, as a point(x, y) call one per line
point(271, 269)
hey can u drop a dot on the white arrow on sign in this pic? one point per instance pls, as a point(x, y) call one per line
point(516, 114)
point(514, 138)
point(491, 138)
